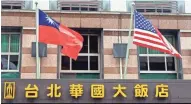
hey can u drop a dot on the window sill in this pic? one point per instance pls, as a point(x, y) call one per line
point(158, 72)
point(9, 70)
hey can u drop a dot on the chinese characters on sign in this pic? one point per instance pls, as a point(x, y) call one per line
point(77, 90)
point(53, 89)
point(97, 91)
point(9, 90)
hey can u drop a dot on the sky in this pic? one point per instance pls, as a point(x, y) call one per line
point(116, 5)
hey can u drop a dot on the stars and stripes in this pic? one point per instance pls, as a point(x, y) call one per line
point(146, 35)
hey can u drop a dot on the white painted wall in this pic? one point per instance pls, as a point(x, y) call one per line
point(118, 5)
point(42, 4)
point(188, 6)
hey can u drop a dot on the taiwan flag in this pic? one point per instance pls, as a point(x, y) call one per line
point(52, 32)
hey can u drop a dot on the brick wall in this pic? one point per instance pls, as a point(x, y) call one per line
point(98, 20)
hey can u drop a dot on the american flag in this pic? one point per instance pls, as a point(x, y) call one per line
point(146, 35)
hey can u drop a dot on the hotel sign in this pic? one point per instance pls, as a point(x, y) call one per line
point(95, 91)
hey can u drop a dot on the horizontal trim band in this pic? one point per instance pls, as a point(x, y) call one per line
point(32, 69)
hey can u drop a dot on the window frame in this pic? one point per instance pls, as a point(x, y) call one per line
point(80, 6)
point(85, 54)
point(12, 53)
point(11, 6)
point(158, 55)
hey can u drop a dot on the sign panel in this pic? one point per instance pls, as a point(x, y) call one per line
point(95, 91)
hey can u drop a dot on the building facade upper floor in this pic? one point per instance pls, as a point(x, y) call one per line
point(159, 6)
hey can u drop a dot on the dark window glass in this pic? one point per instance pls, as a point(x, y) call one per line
point(140, 10)
point(93, 44)
point(4, 43)
point(85, 45)
point(6, 7)
point(170, 64)
point(16, 7)
point(14, 45)
point(157, 63)
point(75, 8)
point(93, 62)
point(65, 63)
point(13, 64)
point(150, 10)
point(92, 5)
point(159, 10)
point(81, 63)
point(143, 63)
point(4, 62)
point(93, 9)
point(65, 8)
point(84, 9)
point(166, 11)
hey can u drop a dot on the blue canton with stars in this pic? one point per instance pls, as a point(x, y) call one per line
point(142, 23)
point(45, 20)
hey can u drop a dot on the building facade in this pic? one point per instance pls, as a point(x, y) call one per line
point(102, 30)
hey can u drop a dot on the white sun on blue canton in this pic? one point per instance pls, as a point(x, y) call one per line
point(52, 22)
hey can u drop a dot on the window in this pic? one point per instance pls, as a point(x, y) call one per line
point(157, 6)
point(87, 64)
point(79, 7)
point(156, 63)
point(10, 54)
point(6, 7)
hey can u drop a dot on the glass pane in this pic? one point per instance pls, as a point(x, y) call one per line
point(93, 62)
point(142, 50)
point(6, 7)
point(75, 8)
point(65, 63)
point(166, 11)
point(84, 9)
point(143, 63)
point(4, 62)
point(13, 64)
point(159, 10)
point(140, 10)
point(150, 10)
point(157, 63)
point(65, 8)
point(93, 44)
point(85, 45)
point(170, 40)
point(4, 43)
point(16, 7)
point(170, 64)
point(81, 63)
point(14, 45)
point(92, 9)
point(151, 51)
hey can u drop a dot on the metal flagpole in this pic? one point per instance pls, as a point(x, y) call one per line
point(129, 42)
point(37, 45)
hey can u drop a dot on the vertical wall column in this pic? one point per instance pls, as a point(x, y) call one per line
point(28, 63)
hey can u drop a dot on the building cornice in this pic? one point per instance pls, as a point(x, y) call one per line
point(101, 12)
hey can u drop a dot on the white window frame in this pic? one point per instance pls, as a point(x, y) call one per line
point(159, 55)
point(88, 6)
point(12, 53)
point(85, 54)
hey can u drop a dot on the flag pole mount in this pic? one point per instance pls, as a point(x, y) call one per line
point(37, 45)
point(129, 41)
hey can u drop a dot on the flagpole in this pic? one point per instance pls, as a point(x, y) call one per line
point(37, 45)
point(129, 42)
